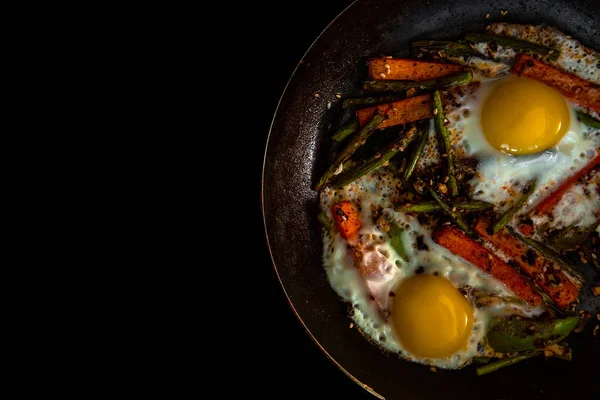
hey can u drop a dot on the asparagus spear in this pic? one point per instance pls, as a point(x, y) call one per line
point(432, 206)
point(414, 158)
point(505, 362)
point(456, 217)
point(401, 86)
point(507, 216)
point(548, 253)
point(443, 49)
point(345, 130)
point(369, 101)
point(396, 241)
point(519, 46)
point(356, 141)
point(588, 120)
point(399, 145)
point(513, 335)
point(444, 142)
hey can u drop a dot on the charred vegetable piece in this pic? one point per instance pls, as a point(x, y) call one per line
point(519, 46)
point(571, 237)
point(379, 159)
point(345, 130)
point(512, 335)
point(347, 219)
point(443, 49)
point(544, 272)
point(409, 69)
point(432, 206)
point(582, 92)
point(505, 362)
point(588, 120)
point(474, 252)
point(399, 112)
point(548, 253)
point(401, 86)
point(456, 217)
point(444, 142)
point(372, 100)
point(355, 142)
point(414, 157)
point(396, 240)
point(510, 213)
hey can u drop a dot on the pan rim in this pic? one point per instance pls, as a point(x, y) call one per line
point(262, 203)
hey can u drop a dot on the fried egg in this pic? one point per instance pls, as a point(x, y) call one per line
point(431, 306)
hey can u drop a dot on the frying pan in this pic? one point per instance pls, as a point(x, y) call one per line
point(296, 155)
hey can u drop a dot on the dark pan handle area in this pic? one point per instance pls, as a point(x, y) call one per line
point(296, 155)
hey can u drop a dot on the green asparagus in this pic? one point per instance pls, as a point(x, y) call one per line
point(356, 141)
point(507, 216)
point(519, 46)
point(401, 86)
point(444, 142)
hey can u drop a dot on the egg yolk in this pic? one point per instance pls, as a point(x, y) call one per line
point(524, 116)
point(432, 319)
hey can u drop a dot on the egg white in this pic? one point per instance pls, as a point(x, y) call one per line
point(371, 301)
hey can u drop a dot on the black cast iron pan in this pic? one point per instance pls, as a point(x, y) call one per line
point(296, 155)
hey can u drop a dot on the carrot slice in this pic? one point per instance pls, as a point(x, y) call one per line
point(398, 112)
point(407, 69)
point(546, 205)
point(463, 246)
point(347, 219)
point(545, 273)
point(582, 92)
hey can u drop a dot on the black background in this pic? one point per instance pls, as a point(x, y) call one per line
point(283, 360)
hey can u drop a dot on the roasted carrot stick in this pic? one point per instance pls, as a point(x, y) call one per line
point(545, 273)
point(398, 112)
point(546, 205)
point(582, 92)
point(347, 219)
point(407, 69)
point(463, 246)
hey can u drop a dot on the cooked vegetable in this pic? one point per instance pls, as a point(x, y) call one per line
point(379, 159)
point(432, 206)
point(372, 100)
point(544, 272)
point(401, 86)
point(549, 254)
point(324, 219)
point(510, 213)
point(571, 237)
point(396, 240)
point(409, 69)
point(511, 335)
point(463, 246)
point(582, 92)
point(356, 141)
point(588, 119)
point(444, 142)
point(519, 46)
point(347, 219)
point(443, 49)
point(399, 112)
point(346, 130)
point(505, 362)
point(416, 153)
point(548, 204)
point(456, 217)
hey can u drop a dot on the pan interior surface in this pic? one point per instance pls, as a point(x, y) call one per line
point(296, 156)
